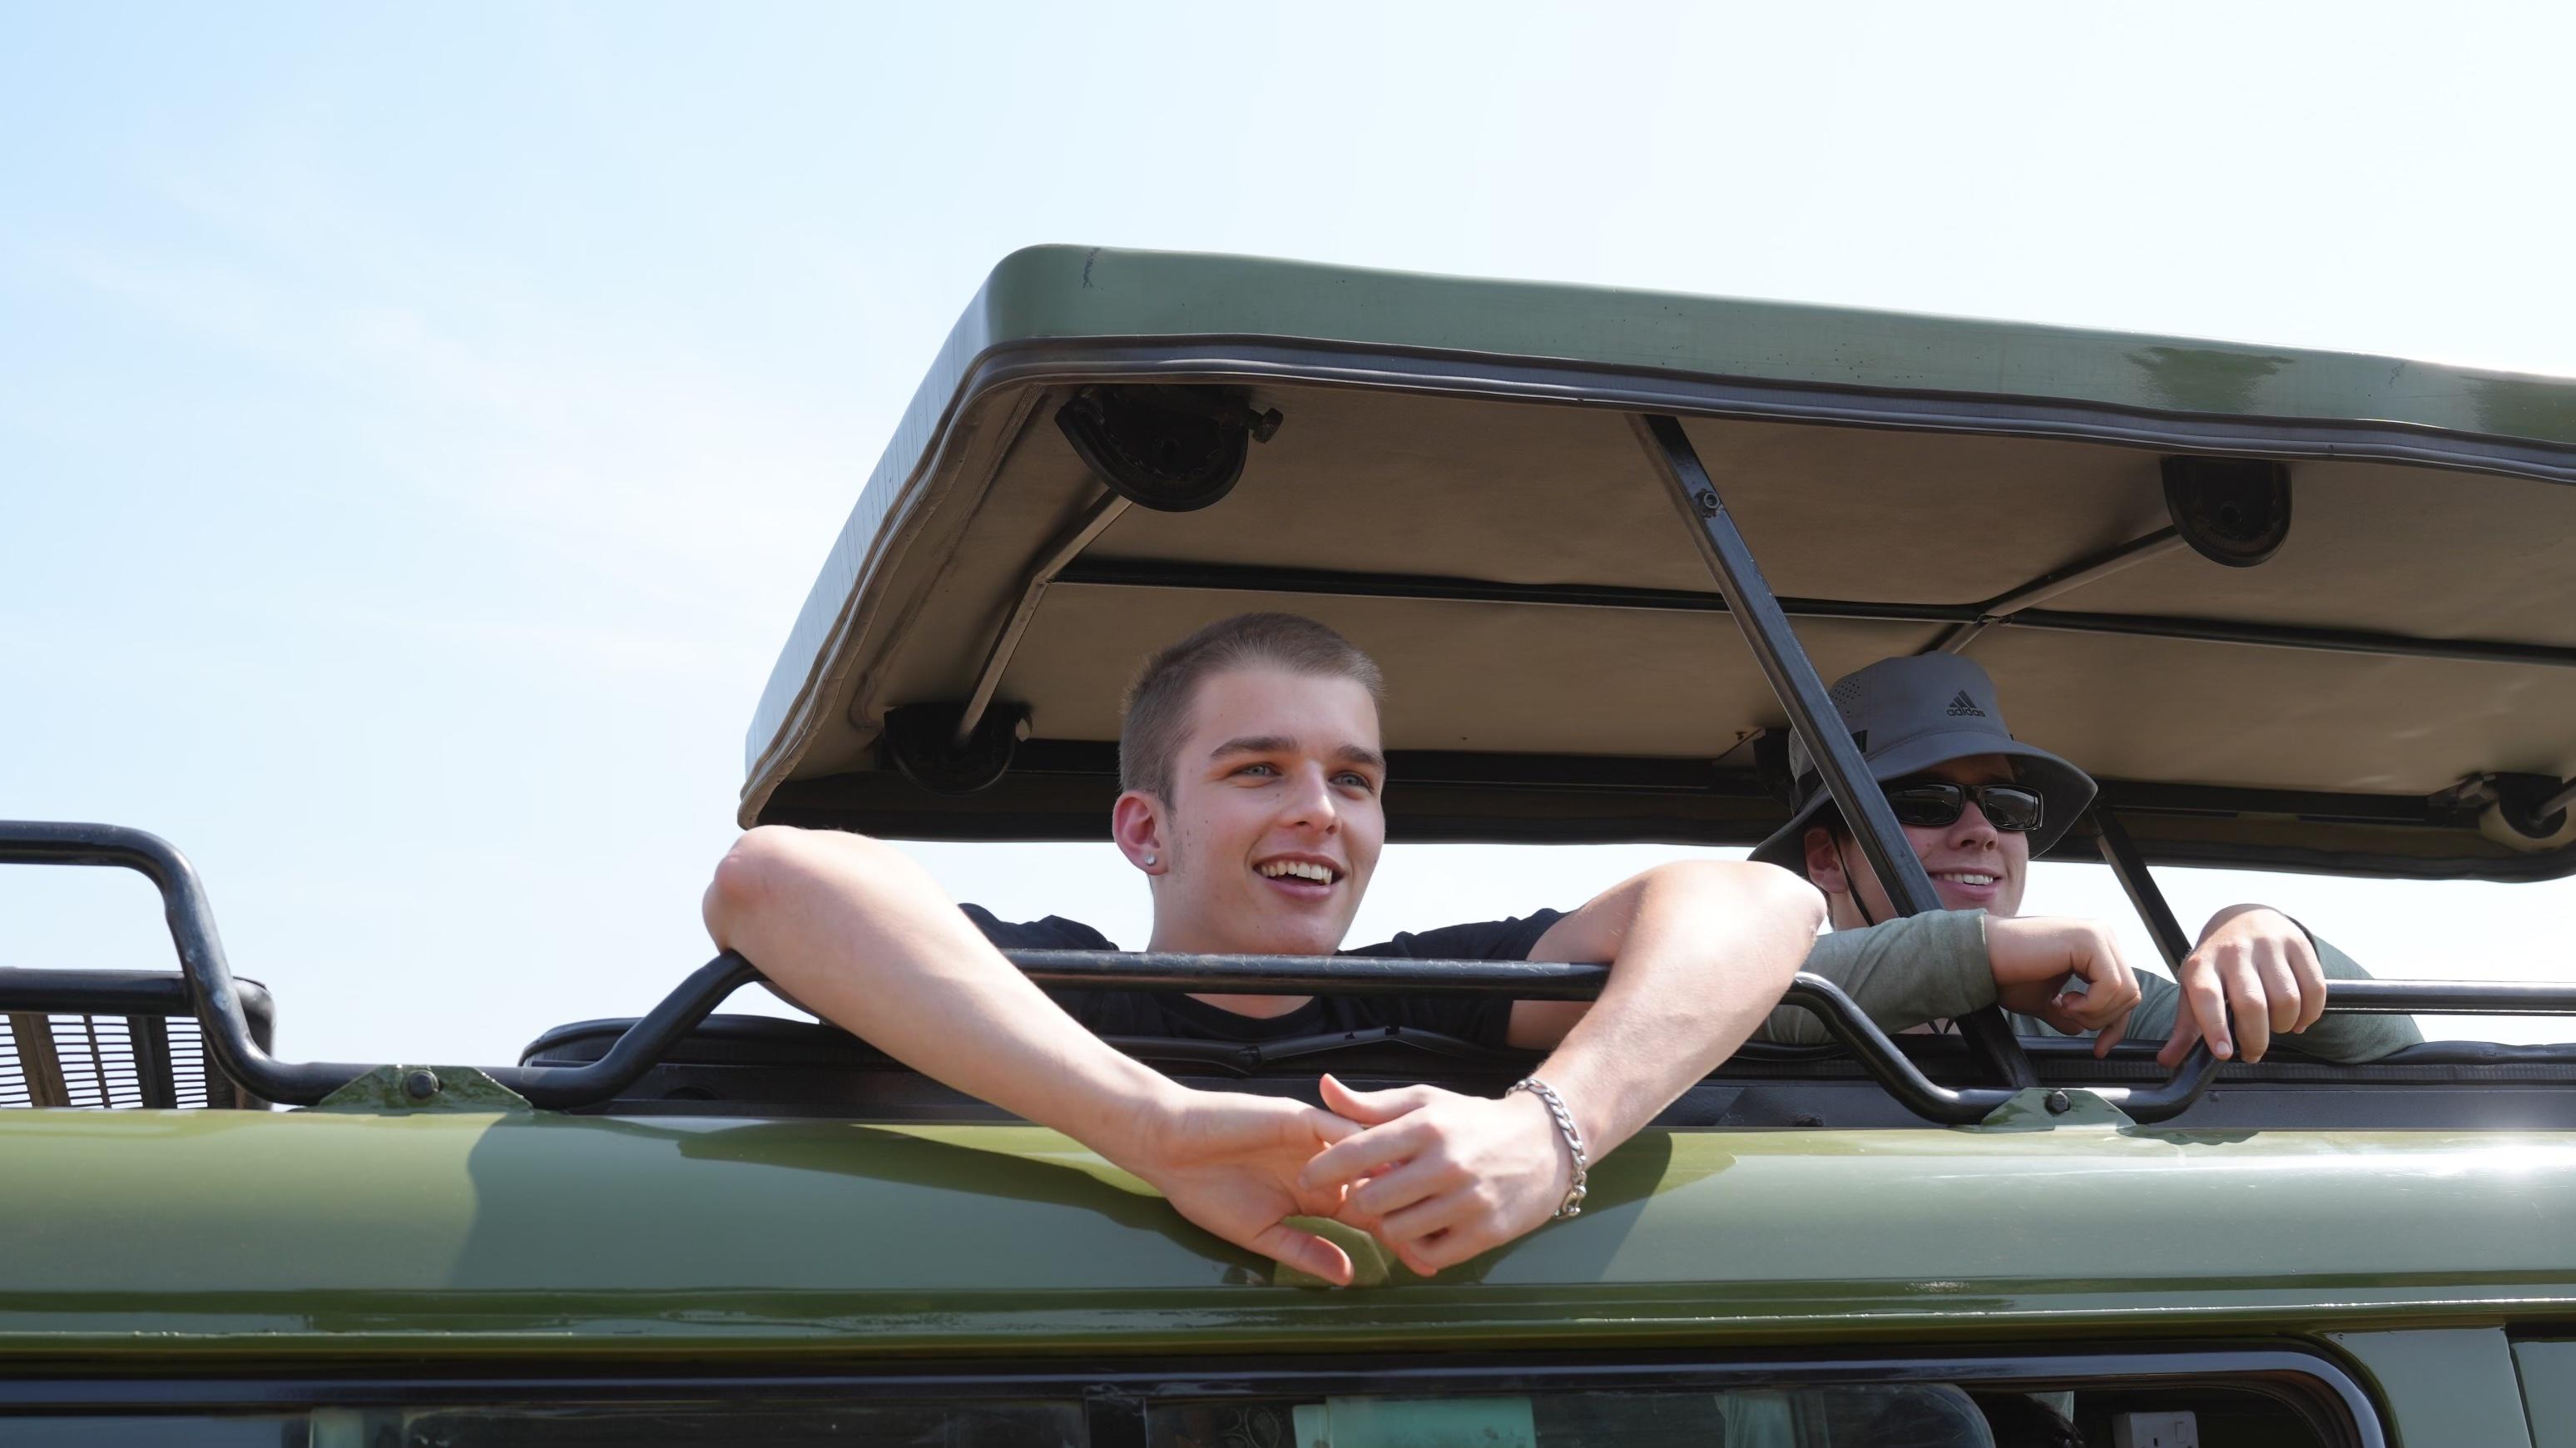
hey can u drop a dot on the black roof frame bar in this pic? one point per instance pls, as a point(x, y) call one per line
point(807, 801)
point(1325, 583)
point(1794, 680)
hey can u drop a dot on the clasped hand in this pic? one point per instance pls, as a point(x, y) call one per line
point(1436, 1176)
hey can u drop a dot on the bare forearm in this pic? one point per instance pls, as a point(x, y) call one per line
point(858, 933)
point(1699, 955)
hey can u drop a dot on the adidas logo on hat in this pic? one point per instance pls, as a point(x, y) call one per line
point(1960, 704)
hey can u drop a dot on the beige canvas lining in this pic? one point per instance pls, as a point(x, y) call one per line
point(1369, 481)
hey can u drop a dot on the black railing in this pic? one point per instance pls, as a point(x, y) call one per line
point(225, 1008)
point(1538, 980)
point(124, 993)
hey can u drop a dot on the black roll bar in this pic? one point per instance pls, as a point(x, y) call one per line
point(126, 993)
point(1841, 1016)
point(225, 1024)
point(1794, 679)
point(226, 1009)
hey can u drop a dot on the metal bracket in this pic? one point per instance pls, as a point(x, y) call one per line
point(419, 1090)
point(2533, 805)
point(926, 747)
point(2051, 1107)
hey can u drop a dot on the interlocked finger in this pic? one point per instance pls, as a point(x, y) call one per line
point(1373, 1151)
point(1439, 1232)
point(1303, 1251)
point(1394, 1191)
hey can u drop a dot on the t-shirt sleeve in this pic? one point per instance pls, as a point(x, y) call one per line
point(1102, 1012)
point(1053, 933)
point(2350, 1039)
point(1483, 1019)
point(1904, 972)
point(1511, 939)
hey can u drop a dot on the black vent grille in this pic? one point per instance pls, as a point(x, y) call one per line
point(103, 1062)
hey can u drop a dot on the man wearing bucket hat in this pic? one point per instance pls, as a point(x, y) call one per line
point(1977, 805)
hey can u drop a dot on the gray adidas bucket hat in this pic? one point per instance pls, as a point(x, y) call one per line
point(1910, 714)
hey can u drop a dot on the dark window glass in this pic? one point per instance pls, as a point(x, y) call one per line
point(708, 1425)
point(1825, 1415)
point(160, 1431)
point(1877, 1415)
point(690, 1425)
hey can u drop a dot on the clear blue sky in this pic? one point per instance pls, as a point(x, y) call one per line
point(418, 425)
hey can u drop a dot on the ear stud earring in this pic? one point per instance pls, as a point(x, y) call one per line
point(1149, 859)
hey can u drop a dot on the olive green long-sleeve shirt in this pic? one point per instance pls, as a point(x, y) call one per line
point(1933, 967)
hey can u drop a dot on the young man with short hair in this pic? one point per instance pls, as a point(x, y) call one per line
point(1253, 777)
point(1976, 805)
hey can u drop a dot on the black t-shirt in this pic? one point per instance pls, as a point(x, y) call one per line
point(1481, 1019)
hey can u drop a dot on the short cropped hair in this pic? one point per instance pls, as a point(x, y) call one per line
point(1157, 716)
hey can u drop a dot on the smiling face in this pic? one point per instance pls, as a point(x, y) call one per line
point(1973, 865)
point(1275, 820)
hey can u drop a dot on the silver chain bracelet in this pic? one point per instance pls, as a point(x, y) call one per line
point(1572, 1206)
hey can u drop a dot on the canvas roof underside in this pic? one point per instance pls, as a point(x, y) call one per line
point(1504, 471)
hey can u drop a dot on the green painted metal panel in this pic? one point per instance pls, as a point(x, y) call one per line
point(2547, 1371)
point(1057, 292)
point(331, 1232)
point(2444, 1388)
point(1069, 297)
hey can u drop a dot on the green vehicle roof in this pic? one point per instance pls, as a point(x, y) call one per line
point(151, 1234)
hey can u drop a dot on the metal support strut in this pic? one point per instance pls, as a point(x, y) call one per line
point(2199, 1067)
point(1061, 550)
point(2148, 898)
point(1793, 678)
point(2563, 799)
point(2058, 583)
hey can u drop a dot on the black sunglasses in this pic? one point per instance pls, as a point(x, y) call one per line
point(1932, 803)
